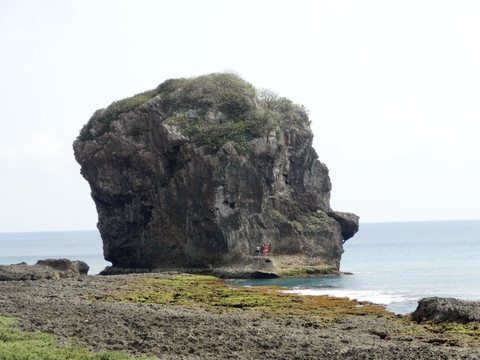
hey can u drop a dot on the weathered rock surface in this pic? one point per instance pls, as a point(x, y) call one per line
point(43, 269)
point(447, 310)
point(199, 172)
point(64, 309)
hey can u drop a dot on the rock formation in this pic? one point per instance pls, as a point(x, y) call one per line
point(199, 172)
point(44, 269)
point(441, 310)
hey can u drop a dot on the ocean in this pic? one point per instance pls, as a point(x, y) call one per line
point(29, 247)
point(397, 264)
point(394, 264)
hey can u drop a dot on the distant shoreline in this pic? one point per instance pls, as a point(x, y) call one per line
point(361, 222)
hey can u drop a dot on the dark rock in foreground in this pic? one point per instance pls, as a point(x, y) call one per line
point(43, 269)
point(447, 310)
point(197, 173)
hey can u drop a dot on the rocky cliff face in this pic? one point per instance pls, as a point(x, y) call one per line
point(197, 173)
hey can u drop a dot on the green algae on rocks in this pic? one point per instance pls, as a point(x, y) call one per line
point(216, 295)
point(16, 344)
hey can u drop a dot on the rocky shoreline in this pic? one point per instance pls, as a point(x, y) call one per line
point(66, 308)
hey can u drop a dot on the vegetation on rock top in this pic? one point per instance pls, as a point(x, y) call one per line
point(211, 110)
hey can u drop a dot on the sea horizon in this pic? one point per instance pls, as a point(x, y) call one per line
point(361, 222)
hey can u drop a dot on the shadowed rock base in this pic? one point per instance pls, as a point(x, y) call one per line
point(259, 267)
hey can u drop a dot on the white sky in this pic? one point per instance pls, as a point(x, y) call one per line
point(393, 90)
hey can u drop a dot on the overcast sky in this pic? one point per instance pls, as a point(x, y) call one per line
point(392, 89)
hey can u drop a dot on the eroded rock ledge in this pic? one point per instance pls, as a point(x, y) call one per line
point(44, 269)
point(197, 173)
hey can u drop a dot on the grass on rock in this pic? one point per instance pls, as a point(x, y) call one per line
point(454, 328)
point(304, 272)
point(194, 106)
point(16, 344)
point(215, 295)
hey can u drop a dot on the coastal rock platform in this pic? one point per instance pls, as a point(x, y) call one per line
point(67, 309)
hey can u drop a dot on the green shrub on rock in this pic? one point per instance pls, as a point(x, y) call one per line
point(211, 110)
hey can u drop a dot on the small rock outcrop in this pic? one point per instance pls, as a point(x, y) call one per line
point(44, 269)
point(199, 172)
point(440, 310)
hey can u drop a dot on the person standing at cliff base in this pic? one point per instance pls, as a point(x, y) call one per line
point(265, 249)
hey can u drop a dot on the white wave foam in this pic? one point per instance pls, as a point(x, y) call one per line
point(377, 297)
point(365, 273)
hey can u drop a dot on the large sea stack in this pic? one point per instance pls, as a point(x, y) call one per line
point(199, 172)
